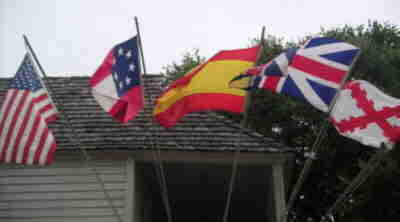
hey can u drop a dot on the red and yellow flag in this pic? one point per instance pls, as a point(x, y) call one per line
point(206, 87)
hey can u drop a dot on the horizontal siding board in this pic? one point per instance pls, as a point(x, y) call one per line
point(61, 196)
point(49, 204)
point(61, 179)
point(12, 172)
point(63, 219)
point(66, 191)
point(60, 187)
point(59, 212)
point(72, 164)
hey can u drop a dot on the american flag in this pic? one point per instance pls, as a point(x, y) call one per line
point(116, 84)
point(313, 73)
point(26, 111)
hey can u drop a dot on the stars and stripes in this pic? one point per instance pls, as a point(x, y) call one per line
point(312, 73)
point(116, 83)
point(26, 111)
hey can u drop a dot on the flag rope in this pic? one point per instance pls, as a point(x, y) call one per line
point(77, 141)
point(155, 149)
point(244, 124)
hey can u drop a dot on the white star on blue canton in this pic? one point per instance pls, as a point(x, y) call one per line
point(128, 80)
point(116, 76)
point(120, 51)
point(121, 84)
point(132, 67)
point(128, 54)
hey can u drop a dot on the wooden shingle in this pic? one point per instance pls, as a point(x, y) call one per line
point(203, 131)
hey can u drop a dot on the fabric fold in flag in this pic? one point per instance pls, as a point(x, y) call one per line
point(313, 73)
point(27, 109)
point(206, 87)
point(365, 114)
point(266, 76)
point(242, 81)
point(116, 84)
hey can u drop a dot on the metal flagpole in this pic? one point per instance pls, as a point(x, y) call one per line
point(244, 124)
point(140, 45)
point(69, 123)
point(307, 165)
point(248, 98)
point(160, 172)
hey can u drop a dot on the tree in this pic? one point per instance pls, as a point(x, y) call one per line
point(174, 71)
point(340, 159)
point(378, 64)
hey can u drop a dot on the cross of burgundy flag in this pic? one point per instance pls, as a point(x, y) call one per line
point(116, 84)
point(364, 113)
point(26, 111)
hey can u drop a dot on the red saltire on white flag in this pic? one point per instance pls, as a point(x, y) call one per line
point(24, 115)
point(365, 114)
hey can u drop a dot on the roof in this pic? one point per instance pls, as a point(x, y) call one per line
point(203, 131)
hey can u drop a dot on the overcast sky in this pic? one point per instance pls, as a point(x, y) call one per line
point(71, 37)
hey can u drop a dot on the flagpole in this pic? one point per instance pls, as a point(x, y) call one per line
point(42, 81)
point(34, 56)
point(360, 178)
point(69, 123)
point(248, 98)
point(140, 46)
point(307, 165)
point(139, 43)
point(244, 124)
point(157, 156)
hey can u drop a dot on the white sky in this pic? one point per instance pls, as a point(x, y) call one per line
point(71, 37)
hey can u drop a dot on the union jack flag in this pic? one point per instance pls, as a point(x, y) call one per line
point(313, 73)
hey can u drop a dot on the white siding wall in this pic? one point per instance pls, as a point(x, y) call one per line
point(65, 191)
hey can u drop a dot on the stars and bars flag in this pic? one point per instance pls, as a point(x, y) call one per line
point(312, 73)
point(26, 111)
point(116, 84)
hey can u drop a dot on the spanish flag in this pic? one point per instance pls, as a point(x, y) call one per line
point(206, 87)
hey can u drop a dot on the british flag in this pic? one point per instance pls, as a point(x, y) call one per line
point(313, 73)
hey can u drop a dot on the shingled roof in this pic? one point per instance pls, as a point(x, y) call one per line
point(204, 131)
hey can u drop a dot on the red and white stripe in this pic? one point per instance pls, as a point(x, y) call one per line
point(103, 86)
point(24, 135)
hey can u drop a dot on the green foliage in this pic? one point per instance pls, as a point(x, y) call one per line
point(272, 47)
point(174, 71)
point(340, 159)
point(379, 62)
